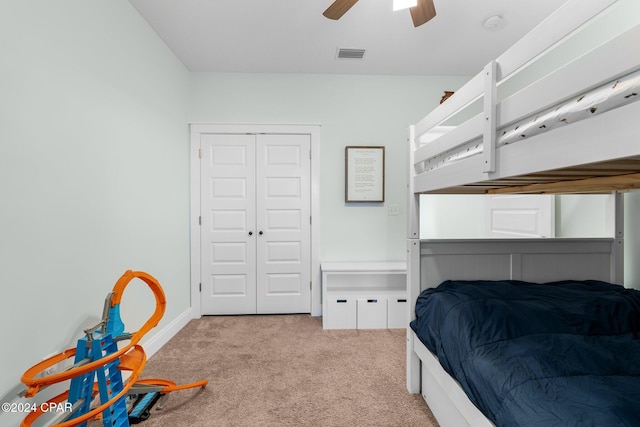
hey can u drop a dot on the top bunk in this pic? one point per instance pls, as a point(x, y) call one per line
point(556, 113)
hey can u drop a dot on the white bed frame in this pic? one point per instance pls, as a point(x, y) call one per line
point(556, 151)
point(561, 154)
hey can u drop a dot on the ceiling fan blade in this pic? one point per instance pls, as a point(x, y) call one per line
point(338, 8)
point(423, 12)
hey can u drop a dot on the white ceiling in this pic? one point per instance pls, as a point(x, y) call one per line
point(292, 36)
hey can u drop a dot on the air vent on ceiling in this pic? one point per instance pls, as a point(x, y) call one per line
point(344, 53)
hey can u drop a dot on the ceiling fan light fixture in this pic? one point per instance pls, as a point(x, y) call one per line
point(404, 4)
point(421, 11)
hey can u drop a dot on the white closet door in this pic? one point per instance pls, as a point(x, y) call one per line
point(228, 232)
point(520, 216)
point(255, 232)
point(283, 224)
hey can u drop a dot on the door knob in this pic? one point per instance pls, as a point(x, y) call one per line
point(251, 233)
point(260, 233)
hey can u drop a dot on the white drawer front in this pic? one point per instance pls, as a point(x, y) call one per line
point(397, 312)
point(341, 313)
point(372, 313)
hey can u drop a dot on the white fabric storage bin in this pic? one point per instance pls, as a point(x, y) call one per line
point(372, 313)
point(341, 313)
point(397, 312)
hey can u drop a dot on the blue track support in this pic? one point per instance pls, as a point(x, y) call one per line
point(108, 377)
point(115, 326)
point(81, 386)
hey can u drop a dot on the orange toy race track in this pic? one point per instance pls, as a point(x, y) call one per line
point(98, 356)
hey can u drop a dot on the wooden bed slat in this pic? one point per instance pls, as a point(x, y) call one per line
point(589, 185)
point(615, 175)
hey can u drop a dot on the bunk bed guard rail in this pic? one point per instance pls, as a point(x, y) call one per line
point(483, 86)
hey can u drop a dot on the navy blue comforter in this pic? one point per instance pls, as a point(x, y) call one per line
point(557, 354)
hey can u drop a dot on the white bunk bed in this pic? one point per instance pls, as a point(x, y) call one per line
point(592, 149)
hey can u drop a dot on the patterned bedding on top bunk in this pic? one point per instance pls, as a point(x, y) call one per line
point(617, 93)
point(557, 354)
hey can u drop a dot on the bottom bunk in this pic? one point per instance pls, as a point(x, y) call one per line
point(584, 356)
point(444, 395)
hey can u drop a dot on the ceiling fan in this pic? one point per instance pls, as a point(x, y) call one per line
point(421, 13)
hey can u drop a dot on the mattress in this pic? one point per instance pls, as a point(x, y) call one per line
point(614, 94)
point(556, 354)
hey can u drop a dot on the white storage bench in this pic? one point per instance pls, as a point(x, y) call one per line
point(364, 295)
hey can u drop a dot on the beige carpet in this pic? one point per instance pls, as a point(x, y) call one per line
point(285, 371)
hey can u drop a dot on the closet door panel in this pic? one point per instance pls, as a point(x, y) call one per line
point(283, 223)
point(228, 224)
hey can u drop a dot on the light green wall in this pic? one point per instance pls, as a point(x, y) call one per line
point(463, 216)
point(582, 216)
point(451, 216)
point(94, 169)
point(353, 110)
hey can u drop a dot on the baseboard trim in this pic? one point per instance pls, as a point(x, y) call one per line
point(157, 341)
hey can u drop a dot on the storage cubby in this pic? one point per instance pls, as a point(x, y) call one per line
point(364, 295)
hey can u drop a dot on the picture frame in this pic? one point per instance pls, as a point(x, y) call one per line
point(364, 173)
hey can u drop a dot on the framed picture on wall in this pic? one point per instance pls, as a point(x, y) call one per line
point(364, 174)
